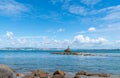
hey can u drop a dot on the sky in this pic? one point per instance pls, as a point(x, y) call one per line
point(82, 24)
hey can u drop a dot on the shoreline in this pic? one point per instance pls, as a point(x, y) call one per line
point(72, 75)
point(6, 72)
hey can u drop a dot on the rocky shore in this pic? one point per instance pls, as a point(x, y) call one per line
point(6, 72)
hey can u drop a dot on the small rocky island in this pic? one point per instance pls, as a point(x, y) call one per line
point(69, 52)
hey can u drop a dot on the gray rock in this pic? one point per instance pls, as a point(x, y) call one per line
point(6, 72)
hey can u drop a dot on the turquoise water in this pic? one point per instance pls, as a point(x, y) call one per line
point(28, 60)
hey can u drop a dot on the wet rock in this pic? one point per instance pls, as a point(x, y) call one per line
point(6, 72)
point(40, 74)
point(82, 73)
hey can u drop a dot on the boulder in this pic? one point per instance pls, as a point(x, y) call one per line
point(6, 72)
point(59, 72)
point(40, 74)
point(82, 73)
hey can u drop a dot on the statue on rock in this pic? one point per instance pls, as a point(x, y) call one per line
point(67, 50)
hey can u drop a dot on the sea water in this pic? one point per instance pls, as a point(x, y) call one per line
point(106, 61)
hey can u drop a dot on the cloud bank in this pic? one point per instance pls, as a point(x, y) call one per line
point(78, 41)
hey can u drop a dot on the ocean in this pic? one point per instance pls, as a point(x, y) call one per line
point(106, 61)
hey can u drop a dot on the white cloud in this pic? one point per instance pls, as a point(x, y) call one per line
point(22, 41)
point(91, 29)
point(11, 7)
point(55, 31)
point(81, 32)
point(33, 37)
point(111, 13)
point(77, 10)
point(80, 39)
point(55, 1)
point(112, 28)
point(9, 35)
point(73, 7)
point(17, 41)
point(0, 40)
point(109, 31)
point(112, 16)
point(110, 9)
point(90, 2)
point(118, 41)
point(61, 30)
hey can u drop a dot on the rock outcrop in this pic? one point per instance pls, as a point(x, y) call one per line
point(58, 74)
point(6, 72)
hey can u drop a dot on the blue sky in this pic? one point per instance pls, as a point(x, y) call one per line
point(81, 24)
